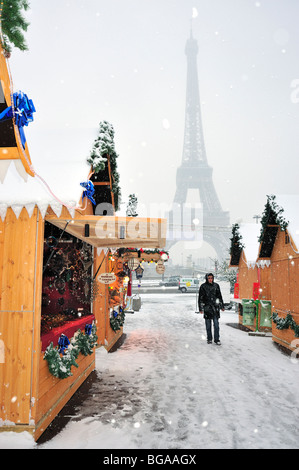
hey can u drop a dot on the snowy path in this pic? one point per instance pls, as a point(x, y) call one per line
point(165, 388)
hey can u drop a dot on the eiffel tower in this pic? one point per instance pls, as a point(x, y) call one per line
point(194, 172)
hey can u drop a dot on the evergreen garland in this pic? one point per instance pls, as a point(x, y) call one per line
point(60, 365)
point(272, 215)
point(85, 343)
point(236, 246)
point(236, 242)
point(103, 147)
point(148, 251)
point(117, 320)
point(285, 323)
point(13, 24)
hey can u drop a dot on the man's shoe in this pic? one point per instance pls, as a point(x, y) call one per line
point(209, 342)
point(218, 343)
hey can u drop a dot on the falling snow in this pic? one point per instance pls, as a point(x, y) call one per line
point(165, 387)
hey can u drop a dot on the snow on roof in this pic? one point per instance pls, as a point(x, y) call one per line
point(250, 234)
point(290, 205)
point(59, 185)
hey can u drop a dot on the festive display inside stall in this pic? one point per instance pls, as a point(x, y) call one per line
point(133, 260)
point(68, 287)
point(117, 292)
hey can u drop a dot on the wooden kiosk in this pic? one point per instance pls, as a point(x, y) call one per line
point(30, 395)
point(50, 295)
point(252, 292)
point(270, 286)
point(280, 247)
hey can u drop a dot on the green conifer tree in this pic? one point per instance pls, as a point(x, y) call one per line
point(13, 24)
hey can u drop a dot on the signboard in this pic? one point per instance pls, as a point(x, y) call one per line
point(160, 267)
point(107, 278)
point(248, 312)
point(265, 317)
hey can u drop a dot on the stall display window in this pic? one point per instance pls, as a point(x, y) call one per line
point(68, 287)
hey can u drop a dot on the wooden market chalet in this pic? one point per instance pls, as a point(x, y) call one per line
point(65, 279)
point(266, 257)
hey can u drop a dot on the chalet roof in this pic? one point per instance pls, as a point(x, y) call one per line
point(64, 182)
point(60, 185)
point(250, 234)
point(285, 215)
point(247, 245)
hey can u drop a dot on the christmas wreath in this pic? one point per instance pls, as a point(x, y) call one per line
point(62, 357)
point(117, 319)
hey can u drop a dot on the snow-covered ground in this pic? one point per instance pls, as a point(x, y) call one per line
point(166, 388)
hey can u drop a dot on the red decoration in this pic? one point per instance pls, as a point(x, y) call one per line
point(236, 290)
point(68, 329)
point(256, 290)
point(129, 290)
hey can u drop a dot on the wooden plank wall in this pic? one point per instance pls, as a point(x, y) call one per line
point(54, 393)
point(106, 336)
point(20, 283)
point(265, 281)
point(247, 276)
point(285, 287)
point(100, 303)
point(110, 335)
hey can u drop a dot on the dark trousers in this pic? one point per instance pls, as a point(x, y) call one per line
point(208, 321)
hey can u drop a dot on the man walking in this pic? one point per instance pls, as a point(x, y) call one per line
point(209, 303)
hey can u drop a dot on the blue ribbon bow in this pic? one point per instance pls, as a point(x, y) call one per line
point(88, 328)
point(63, 343)
point(23, 113)
point(6, 114)
point(89, 191)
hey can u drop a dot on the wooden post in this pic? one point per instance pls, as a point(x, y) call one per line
point(21, 247)
point(110, 179)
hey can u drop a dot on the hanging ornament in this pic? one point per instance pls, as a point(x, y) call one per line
point(59, 284)
point(139, 272)
point(51, 242)
point(133, 264)
point(160, 267)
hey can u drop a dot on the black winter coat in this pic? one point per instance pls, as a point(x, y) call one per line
point(210, 299)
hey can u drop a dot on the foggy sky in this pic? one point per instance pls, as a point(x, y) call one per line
point(123, 61)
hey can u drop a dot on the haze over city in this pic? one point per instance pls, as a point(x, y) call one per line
point(124, 62)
